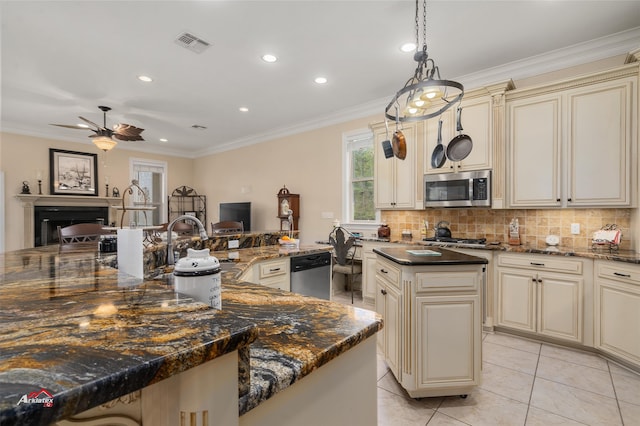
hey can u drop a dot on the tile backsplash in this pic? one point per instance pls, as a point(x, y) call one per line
point(493, 225)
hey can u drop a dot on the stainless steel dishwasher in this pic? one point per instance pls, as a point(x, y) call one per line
point(311, 275)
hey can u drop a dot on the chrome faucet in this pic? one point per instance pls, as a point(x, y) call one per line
point(201, 229)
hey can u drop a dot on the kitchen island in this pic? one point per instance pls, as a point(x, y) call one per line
point(76, 334)
point(431, 302)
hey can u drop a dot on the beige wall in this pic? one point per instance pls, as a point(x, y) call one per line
point(309, 164)
point(22, 156)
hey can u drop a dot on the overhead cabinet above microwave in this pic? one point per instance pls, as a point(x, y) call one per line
point(573, 144)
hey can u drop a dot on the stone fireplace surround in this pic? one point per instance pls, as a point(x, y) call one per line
point(76, 203)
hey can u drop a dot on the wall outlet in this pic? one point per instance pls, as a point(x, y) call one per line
point(234, 244)
point(575, 228)
point(327, 215)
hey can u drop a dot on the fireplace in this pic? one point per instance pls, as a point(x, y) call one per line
point(46, 220)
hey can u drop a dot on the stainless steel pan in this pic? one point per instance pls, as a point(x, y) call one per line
point(461, 145)
point(438, 157)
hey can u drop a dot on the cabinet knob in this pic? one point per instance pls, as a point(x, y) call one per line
point(384, 292)
point(569, 199)
point(558, 200)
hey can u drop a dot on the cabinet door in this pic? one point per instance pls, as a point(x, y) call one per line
point(560, 303)
point(388, 305)
point(448, 340)
point(477, 123)
point(533, 166)
point(368, 276)
point(618, 319)
point(384, 181)
point(599, 144)
point(516, 299)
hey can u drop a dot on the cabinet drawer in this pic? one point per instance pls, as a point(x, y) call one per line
point(541, 263)
point(619, 271)
point(449, 280)
point(273, 268)
point(388, 272)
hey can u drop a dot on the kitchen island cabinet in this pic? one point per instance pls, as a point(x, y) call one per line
point(563, 134)
point(90, 335)
point(434, 349)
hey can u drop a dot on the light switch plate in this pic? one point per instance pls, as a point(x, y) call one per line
point(575, 228)
point(234, 244)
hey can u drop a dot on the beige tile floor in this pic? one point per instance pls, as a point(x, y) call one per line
point(524, 382)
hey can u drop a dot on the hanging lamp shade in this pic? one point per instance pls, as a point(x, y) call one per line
point(104, 143)
point(426, 85)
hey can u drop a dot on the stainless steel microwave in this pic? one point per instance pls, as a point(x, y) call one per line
point(463, 189)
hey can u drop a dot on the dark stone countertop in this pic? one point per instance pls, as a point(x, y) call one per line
point(89, 334)
point(401, 256)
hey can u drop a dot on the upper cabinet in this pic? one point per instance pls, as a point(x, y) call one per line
point(573, 144)
point(397, 185)
point(476, 119)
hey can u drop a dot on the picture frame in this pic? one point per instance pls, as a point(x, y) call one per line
point(73, 173)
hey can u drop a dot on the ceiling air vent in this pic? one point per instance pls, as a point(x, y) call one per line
point(191, 42)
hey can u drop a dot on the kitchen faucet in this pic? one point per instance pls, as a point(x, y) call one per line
point(201, 229)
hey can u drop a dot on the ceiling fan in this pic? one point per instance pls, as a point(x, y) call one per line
point(104, 137)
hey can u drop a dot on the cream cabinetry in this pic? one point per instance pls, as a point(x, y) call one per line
point(397, 183)
point(617, 310)
point(433, 326)
point(573, 144)
point(444, 353)
point(476, 122)
point(388, 305)
point(545, 295)
point(273, 273)
point(369, 259)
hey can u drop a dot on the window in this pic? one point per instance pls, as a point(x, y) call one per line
point(152, 178)
point(358, 178)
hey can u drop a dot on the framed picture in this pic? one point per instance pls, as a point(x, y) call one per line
point(73, 173)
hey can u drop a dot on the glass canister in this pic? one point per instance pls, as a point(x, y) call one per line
point(384, 231)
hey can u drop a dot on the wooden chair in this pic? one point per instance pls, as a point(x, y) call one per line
point(227, 227)
point(344, 256)
point(80, 233)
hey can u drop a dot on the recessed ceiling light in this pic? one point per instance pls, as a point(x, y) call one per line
point(269, 58)
point(82, 125)
point(145, 78)
point(408, 47)
point(320, 80)
point(164, 140)
point(243, 109)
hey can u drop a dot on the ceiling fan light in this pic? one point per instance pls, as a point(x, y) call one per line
point(104, 143)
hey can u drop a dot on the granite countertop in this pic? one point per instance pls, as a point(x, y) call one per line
point(403, 256)
point(89, 334)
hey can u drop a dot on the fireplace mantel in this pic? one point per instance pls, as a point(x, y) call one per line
point(31, 200)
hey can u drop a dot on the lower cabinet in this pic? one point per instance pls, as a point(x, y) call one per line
point(617, 310)
point(369, 291)
point(273, 273)
point(545, 296)
point(432, 335)
point(388, 306)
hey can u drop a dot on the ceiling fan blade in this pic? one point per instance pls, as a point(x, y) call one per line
point(90, 122)
point(69, 126)
point(127, 132)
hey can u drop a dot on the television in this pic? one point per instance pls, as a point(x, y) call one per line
point(237, 212)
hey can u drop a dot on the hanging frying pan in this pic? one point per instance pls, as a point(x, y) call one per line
point(386, 144)
point(399, 143)
point(438, 156)
point(460, 146)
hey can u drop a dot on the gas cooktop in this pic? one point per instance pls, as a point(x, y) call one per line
point(457, 241)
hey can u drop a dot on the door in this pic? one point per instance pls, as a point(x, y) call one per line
point(516, 299)
point(560, 306)
point(534, 158)
point(448, 340)
point(599, 139)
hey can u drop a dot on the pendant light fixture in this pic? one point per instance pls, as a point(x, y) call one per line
point(425, 95)
point(104, 143)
